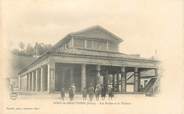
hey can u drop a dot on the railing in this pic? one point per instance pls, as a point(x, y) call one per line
point(129, 75)
point(152, 87)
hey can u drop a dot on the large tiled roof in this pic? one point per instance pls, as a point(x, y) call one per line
point(97, 32)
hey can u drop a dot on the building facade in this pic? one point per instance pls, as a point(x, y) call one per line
point(90, 56)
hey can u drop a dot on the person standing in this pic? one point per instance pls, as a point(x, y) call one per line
point(103, 92)
point(62, 94)
point(91, 92)
point(97, 91)
point(84, 94)
point(110, 92)
point(71, 93)
point(73, 87)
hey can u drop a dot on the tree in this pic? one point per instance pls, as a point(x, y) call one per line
point(16, 51)
point(40, 48)
point(21, 46)
point(29, 50)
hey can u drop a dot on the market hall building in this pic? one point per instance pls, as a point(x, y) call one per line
point(87, 57)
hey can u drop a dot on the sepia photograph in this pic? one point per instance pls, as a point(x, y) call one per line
point(86, 57)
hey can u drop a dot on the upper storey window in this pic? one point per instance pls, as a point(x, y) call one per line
point(79, 43)
point(113, 46)
point(95, 44)
point(100, 45)
point(89, 44)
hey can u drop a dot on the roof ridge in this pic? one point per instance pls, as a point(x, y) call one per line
point(97, 26)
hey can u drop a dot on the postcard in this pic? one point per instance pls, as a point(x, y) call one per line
point(92, 57)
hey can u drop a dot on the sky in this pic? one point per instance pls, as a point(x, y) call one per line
point(143, 24)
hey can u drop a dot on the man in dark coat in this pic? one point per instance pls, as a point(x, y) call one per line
point(62, 94)
point(71, 93)
point(91, 92)
point(84, 94)
point(97, 91)
point(110, 92)
point(103, 92)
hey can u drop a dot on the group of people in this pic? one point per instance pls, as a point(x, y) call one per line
point(91, 91)
point(71, 92)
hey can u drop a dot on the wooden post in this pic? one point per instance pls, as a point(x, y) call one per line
point(136, 80)
point(156, 72)
point(123, 80)
point(72, 42)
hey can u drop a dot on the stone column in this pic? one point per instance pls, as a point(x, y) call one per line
point(27, 83)
point(36, 80)
point(63, 78)
point(98, 68)
point(48, 78)
point(32, 75)
point(123, 80)
point(117, 79)
point(83, 76)
point(51, 77)
point(21, 83)
point(71, 76)
point(105, 78)
point(19, 80)
point(30, 81)
point(136, 80)
point(41, 79)
point(113, 81)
